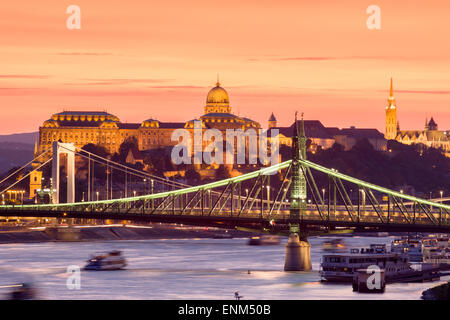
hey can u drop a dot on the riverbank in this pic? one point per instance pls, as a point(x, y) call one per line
point(441, 292)
point(115, 232)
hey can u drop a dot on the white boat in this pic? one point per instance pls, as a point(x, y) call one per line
point(110, 261)
point(341, 267)
point(437, 250)
point(413, 247)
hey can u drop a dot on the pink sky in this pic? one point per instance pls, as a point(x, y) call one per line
point(140, 59)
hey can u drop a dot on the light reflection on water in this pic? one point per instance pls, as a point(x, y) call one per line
point(183, 269)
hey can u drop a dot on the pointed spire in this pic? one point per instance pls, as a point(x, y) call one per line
point(272, 117)
point(391, 100)
point(218, 82)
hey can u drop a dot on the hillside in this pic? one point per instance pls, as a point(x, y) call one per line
point(16, 150)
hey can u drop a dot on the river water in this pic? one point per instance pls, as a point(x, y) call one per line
point(182, 269)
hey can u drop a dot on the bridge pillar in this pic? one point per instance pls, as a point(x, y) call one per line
point(298, 254)
point(298, 251)
point(58, 149)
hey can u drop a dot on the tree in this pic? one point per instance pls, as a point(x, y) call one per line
point(192, 175)
point(222, 172)
point(129, 143)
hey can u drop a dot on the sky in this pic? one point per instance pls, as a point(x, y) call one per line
point(141, 59)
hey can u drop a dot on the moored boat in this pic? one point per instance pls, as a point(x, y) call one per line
point(343, 266)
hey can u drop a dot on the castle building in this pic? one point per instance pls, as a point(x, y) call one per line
point(429, 136)
point(325, 137)
point(105, 129)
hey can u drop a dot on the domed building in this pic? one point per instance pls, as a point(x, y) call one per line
point(105, 129)
point(218, 113)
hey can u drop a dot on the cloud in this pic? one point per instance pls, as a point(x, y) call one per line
point(176, 87)
point(326, 58)
point(425, 91)
point(84, 54)
point(23, 76)
point(117, 81)
point(306, 59)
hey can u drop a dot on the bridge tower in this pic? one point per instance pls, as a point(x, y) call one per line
point(298, 250)
point(68, 149)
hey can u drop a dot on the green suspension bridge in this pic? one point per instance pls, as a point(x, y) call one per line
point(296, 203)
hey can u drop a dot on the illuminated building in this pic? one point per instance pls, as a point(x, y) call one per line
point(429, 136)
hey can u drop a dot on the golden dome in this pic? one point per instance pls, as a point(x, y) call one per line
point(217, 95)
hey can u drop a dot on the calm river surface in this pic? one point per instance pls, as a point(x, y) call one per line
point(182, 269)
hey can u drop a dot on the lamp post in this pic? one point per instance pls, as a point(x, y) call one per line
point(323, 196)
point(153, 204)
point(210, 199)
point(363, 200)
point(97, 193)
point(442, 194)
point(268, 198)
point(431, 207)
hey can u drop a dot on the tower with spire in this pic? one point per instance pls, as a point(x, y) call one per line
point(272, 121)
point(35, 175)
point(391, 116)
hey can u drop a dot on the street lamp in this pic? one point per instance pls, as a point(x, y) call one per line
point(363, 200)
point(441, 193)
point(97, 195)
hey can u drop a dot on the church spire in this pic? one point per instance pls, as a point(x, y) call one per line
point(391, 100)
point(392, 126)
